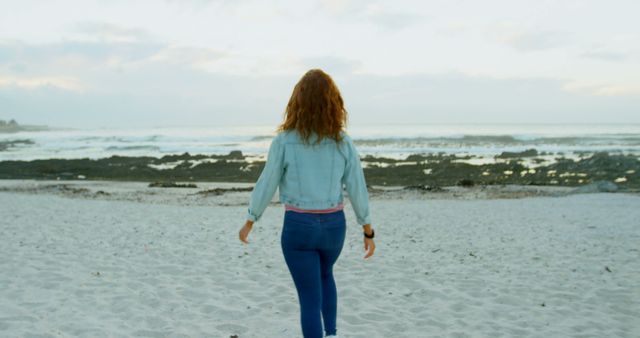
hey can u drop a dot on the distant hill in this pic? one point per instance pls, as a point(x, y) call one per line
point(12, 126)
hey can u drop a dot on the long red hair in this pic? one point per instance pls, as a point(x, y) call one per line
point(315, 106)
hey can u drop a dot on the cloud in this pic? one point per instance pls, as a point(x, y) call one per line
point(343, 7)
point(102, 73)
point(458, 98)
point(389, 18)
point(105, 31)
point(331, 64)
point(527, 40)
point(197, 57)
point(379, 13)
point(454, 28)
point(606, 55)
point(533, 41)
point(73, 58)
point(602, 89)
point(618, 90)
point(72, 52)
point(65, 83)
point(155, 94)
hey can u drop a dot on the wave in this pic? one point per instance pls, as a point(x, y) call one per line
point(261, 138)
point(121, 139)
point(130, 148)
point(391, 142)
point(505, 140)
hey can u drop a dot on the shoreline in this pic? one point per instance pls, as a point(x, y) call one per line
point(238, 193)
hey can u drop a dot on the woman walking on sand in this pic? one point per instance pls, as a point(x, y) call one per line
point(309, 160)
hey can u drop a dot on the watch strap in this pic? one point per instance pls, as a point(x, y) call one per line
point(373, 233)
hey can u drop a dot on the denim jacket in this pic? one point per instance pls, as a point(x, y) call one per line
point(311, 176)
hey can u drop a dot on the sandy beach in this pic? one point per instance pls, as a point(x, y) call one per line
point(120, 259)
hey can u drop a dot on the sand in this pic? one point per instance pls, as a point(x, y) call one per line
point(140, 262)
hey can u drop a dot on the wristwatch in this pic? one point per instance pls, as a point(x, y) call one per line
point(373, 233)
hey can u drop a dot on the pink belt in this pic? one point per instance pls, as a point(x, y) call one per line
point(340, 206)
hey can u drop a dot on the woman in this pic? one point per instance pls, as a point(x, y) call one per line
point(310, 160)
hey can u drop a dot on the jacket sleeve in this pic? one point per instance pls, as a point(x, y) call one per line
point(268, 181)
point(354, 181)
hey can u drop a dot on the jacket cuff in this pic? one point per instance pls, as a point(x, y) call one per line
point(252, 217)
point(365, 220)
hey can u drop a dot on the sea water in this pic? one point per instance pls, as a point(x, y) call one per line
point(394, 141)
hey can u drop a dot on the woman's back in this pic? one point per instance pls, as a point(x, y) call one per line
point(311, 176)
point(313, 172)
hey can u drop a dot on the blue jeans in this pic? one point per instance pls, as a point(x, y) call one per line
point(311, 244)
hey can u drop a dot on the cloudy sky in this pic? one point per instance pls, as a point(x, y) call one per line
point(225, 62)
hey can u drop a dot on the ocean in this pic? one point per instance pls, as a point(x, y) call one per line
point(481, 141)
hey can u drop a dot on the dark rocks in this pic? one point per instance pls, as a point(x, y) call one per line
point(174, 158)
point(466, 183)
point(125, 168)
point(371, 158)
point(171, 185)
point(220, 191)
point(5, 145)
point(526, 153)
point(64, 188)
point(423, 172)
point(422, 187)
point(600, 164)
point(235, 155)
point(417, 158)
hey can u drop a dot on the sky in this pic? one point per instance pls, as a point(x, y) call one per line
point(144, 63)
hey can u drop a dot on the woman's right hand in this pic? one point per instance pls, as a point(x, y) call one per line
point(370, 246)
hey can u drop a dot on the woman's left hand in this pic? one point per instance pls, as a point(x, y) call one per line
point(244, 232)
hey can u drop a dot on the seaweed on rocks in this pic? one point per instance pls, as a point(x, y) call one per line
point(220, 191)
point(419, 171)
point(466, 183)
point(171, 185)
point(525, 153)
point(423, 188)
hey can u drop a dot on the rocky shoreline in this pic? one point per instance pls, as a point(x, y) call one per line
point(606, 171)
point(6, 145)
point(237, 194)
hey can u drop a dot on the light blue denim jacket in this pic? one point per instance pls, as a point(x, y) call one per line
point(311, 176)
